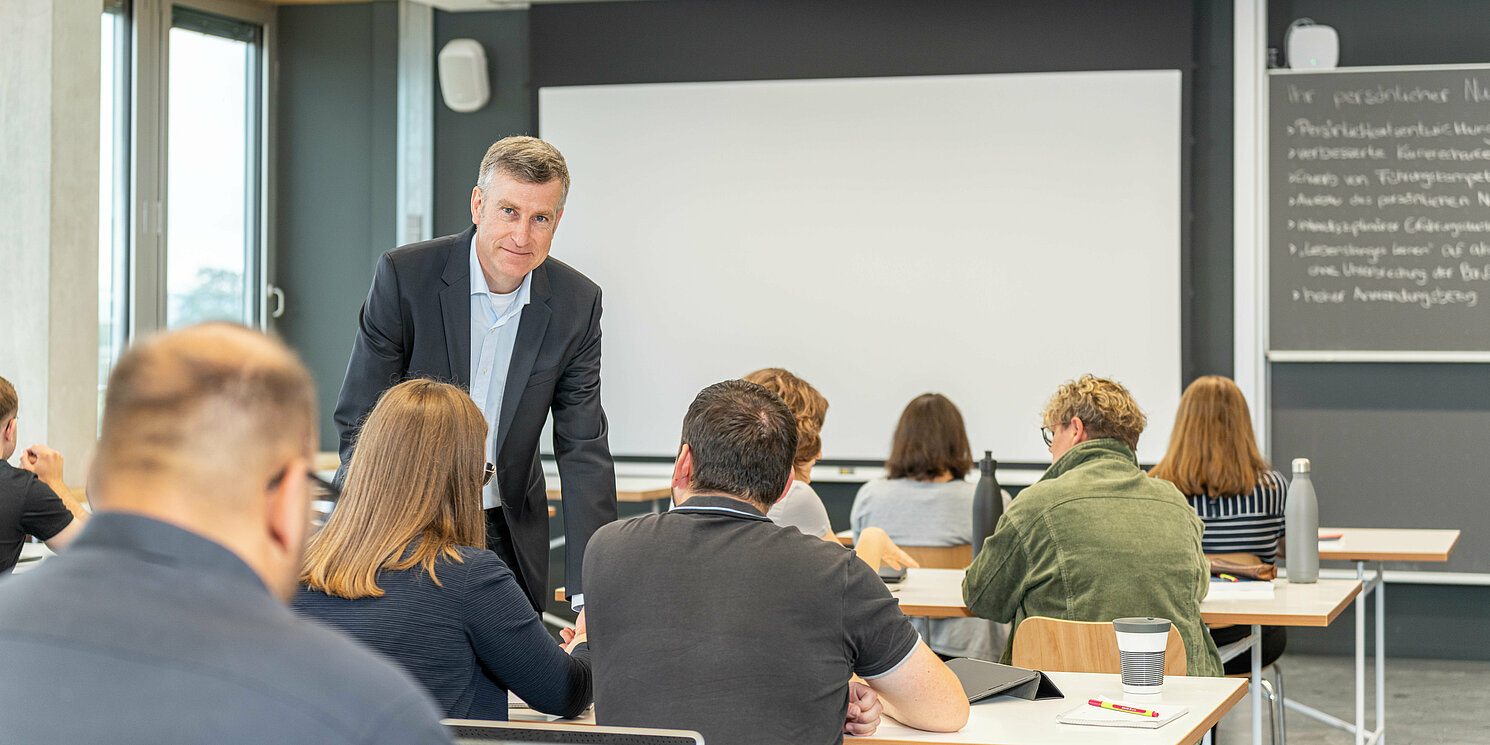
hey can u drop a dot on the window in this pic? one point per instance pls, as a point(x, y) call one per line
point(182, 180)
point(212, 156)
point(113, 189)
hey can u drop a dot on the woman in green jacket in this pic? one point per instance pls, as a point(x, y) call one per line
point(1096, 538)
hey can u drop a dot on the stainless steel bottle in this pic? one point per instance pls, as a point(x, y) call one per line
point(1301, 526)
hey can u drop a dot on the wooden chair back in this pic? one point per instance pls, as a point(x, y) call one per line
point(941, 557)
point(1045, 644)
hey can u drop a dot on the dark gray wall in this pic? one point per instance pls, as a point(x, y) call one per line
point(1208, 293)
point(335, 160)
point(461, 139)
point(1396, 445)
point(700, 40)
point(1393, 445)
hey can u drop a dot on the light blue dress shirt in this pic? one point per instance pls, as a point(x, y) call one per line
point(494, 322)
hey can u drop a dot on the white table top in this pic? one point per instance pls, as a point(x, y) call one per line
point(938, 593)
point(1388, 544)
point(1009, 721)
point(1316, 604)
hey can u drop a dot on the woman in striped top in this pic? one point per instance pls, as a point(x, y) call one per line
point(1213, 458)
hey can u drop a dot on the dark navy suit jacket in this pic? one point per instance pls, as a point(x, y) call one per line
point(416, 323)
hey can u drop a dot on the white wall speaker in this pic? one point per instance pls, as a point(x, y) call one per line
point(464, 83)
point(1310, 46)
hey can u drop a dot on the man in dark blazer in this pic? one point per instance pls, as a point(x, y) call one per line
point(463, 308)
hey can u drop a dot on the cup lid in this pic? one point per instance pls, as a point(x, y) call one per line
point(1141, 625)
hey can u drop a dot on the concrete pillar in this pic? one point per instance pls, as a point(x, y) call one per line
point(49, 130)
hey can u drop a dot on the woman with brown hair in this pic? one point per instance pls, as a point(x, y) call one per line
point(1213, 458)
point(924, 500)
point(402, 565)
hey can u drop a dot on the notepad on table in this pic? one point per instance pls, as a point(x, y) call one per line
point(1240, 589)
point(1096, 716)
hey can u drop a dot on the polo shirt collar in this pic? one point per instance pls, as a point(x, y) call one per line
point(158, 542)
point(718, 504)
point(478, 280)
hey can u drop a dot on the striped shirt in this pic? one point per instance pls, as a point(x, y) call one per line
point(1250, 523)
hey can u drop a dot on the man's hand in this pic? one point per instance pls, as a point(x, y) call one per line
point(575, 636)
point(43, 461)
point(864, 709)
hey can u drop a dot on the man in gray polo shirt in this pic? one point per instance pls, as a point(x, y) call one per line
point(166, 622)
point(712, 618)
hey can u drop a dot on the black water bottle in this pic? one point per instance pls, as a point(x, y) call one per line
point(988, 502)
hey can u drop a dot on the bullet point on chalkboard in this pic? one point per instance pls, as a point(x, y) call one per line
point(1293, 249)
point(1295, 294)
point(1290, 225)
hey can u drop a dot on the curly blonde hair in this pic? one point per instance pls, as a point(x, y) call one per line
point(808, 407)
point(1104, 406)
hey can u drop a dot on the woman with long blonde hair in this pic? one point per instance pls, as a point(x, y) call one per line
point(1214, 460)
point(402, 566)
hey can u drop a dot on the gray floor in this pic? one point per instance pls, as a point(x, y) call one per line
point(1428, 701)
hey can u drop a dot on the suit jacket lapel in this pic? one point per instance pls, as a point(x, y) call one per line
point(530, 331)
point(455, 307)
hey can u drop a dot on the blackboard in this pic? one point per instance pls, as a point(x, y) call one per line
point(1379, 214)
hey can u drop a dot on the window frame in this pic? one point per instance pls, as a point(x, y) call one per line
point(149, 144)
point(118, 183)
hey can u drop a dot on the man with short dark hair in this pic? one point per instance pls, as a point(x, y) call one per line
point(710, 617)
point(33, 499)
point(488, 310)
point(165, 622)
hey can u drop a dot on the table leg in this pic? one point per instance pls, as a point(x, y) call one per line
point(1381, 659)
point(1256, 689)
point(1360, 658)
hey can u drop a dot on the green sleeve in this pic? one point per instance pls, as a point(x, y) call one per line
point(994, 584)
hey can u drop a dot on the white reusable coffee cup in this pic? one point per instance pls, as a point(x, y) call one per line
point(1141, 644)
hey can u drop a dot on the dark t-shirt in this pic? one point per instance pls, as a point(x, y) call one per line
point(27, 507)
point(711, 618)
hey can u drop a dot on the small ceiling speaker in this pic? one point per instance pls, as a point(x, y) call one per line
point(1310, 46)
point(464, 82)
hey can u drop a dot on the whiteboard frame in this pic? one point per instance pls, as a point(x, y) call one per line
point(1379, 68)
point(1172, 298)
point(1351, 355)
point(1260, 247)
point(1249, 256)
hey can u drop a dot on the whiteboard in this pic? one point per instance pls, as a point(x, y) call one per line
point(982, 236)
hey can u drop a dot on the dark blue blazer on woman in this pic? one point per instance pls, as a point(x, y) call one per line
point(469, 640)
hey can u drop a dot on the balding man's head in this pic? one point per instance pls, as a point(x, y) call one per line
point(199, 426)
point(203, 407)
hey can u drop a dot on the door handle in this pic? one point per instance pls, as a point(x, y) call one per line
point(279, 306)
